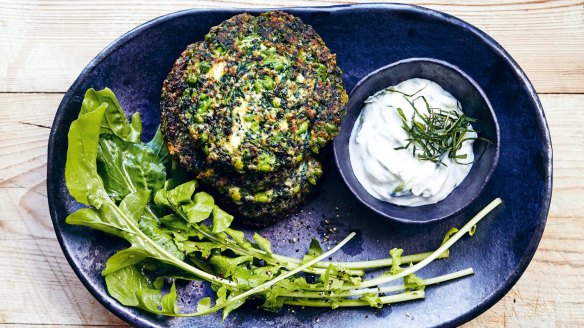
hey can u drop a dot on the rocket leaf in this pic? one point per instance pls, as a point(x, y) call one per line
point(131, 287)
point(114, 121)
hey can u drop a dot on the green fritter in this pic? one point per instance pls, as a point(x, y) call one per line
point(183, 147)
point(259, 200)
point(241, 190)
point(172, 120)
point(252, 202)
point(264, 190)
point(259, 94)
point(247, 110)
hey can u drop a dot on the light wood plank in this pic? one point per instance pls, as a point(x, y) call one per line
point(550, 293)
point(39, 287)
point(46, 43)
point(25, 121)
point(35, 277)
point(565, 116)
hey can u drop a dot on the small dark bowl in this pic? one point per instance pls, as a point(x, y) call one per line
point(474, 104)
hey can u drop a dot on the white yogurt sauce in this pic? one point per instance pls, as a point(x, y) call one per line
point(397, 176)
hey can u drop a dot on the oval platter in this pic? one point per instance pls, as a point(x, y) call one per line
point(364, 37)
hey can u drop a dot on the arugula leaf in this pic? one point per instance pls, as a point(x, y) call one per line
point(81, 177)
point(196, 211)
point(314, 250)
point(447, 236)
point(124, 258)
point(201, 208)
point(168, 302)
point(226, 266)
point(413, 282)
point(158, 147)
point(204, 304)
point(114, 120)
point(263, 243)
point(126, 167)
point(91, 218)
point(134, 204)
point(204, 247)
point(373, 299)
point(335, 278)
point(161, 196)
point(221, 219)
point(181, 194)
point(395, 260)
point(111, 219)
point(296, 284)
point(274, 301)
point(178, 228)
point(223, 297)
point(131, 287)
point(175, 223)
point(248, 278)
point(201, 263)
point(180, 199)
point(150, 228)
point(239, 238)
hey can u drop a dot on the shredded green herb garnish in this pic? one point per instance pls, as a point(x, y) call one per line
point(437, 133)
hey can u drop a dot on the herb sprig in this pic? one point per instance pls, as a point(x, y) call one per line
point(436, 133)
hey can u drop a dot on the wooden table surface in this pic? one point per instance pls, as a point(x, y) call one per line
point(45, 44)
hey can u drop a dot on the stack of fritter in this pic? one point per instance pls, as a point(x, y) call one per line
point(250, 107)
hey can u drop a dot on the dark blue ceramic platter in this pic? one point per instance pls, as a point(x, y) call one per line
point(364, 37)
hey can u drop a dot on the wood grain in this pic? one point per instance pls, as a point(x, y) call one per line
point(46, 43)
point(38, 286)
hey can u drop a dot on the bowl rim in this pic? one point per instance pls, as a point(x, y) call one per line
point(339, 162)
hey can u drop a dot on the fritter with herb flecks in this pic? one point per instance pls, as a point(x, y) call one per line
point(252, 104)
point(261, 200)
